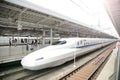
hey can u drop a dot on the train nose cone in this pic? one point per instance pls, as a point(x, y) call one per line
point(27, 63)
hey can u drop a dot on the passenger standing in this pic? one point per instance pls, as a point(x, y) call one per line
point(15, 41)
point(22, 41)
point(49, 42)
point(10, 42)
point(35, 42)
point(32, 43)
point(25, 40)
point(27, 47)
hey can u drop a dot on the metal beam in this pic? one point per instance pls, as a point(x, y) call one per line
point(19, 10)
point(33, 25)
point(28, 12)
point(20, 14)
point(65, 22)
point(45, 19)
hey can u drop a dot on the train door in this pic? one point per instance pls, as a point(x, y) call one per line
point(81, 43)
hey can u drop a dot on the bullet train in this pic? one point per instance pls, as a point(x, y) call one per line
point(62, 51)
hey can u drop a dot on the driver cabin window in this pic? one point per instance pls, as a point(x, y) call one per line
point(59, 43)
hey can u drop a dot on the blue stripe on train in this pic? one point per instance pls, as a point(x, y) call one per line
point(87, 45)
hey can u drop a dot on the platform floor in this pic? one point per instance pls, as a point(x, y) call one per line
point(109, 67)
point(13, 53)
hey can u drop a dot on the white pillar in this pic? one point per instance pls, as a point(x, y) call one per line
point(43, 40)
point(51, 36)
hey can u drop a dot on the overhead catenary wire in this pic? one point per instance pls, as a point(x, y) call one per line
point(88, 11)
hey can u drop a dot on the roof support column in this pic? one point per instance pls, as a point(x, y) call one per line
point(77, 34)
point(43, 37)
point(51, 36)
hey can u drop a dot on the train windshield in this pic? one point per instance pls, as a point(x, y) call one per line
point(58, 42)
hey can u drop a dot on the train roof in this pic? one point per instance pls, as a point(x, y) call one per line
point(77, 38)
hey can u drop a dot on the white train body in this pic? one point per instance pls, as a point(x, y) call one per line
point(61, 52)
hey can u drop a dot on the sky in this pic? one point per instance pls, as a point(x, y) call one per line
point(90, 12)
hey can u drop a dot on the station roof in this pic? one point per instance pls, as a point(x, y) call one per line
point(113, 9)
point(18, 12)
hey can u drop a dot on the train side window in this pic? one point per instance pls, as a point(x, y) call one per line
point(78, 43)
point(84, 43)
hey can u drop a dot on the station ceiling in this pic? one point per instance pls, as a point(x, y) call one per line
point(113, 9)
point(12, 15)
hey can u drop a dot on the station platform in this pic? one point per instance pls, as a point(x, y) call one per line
point(15, 53)
point(109, 68)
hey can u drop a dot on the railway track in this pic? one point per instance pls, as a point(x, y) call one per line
point(87, 71)
point(22, 74)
